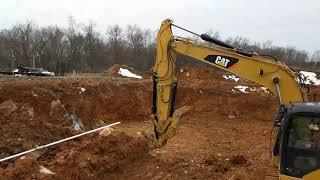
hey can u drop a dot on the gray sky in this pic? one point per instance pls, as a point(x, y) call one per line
point(285, 22)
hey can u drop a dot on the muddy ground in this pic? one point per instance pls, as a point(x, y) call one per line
point(225, 135)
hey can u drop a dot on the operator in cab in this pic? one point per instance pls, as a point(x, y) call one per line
point(303, 144)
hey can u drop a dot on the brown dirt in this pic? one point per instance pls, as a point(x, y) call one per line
point(92, 157)
point(225, 135)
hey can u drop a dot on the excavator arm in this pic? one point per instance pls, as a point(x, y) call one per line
point(277, 77)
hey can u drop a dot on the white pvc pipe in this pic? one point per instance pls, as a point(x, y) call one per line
point(57, 142)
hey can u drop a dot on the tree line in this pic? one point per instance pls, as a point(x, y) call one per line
point(82, 48)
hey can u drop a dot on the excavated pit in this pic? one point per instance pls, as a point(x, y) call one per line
point(224, 135)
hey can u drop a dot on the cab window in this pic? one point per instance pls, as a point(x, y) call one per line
point(305, 133)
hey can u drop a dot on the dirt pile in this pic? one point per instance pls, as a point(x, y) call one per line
point(93, 157)
point(45, 112)
point(24, 168)
point(20, 133)
point(114, 70)
point(98, 157)
point(7, 107)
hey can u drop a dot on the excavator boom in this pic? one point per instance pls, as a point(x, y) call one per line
point(276, 76)
point(272, 74)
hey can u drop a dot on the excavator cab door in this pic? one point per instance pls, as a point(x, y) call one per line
point(300, 145)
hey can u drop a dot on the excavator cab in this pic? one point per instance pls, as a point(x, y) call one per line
point(300, 136)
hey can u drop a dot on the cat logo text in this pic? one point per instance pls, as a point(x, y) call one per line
point(223, 61)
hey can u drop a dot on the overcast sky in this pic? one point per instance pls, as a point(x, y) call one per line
point(285, 22)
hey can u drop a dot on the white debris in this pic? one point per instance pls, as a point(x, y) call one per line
point(106, 132)
point(250, 89)
point(310, 78)
point(232, 77)
point(127, 73)
point(46, 171)
point(314, 127)
point(82, 90)
point(48, 73)
point(76, 126)
point(254, 89)
point(34, 94)
point(231, 116)
point(242, 88)
point(76, 122)
point(264, 89)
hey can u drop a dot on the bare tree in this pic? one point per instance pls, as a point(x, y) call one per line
point(75, 48)
point(316, 56)
point(116, 44)
point(82, 48)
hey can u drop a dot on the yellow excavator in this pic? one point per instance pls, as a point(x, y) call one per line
point(298, 140)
